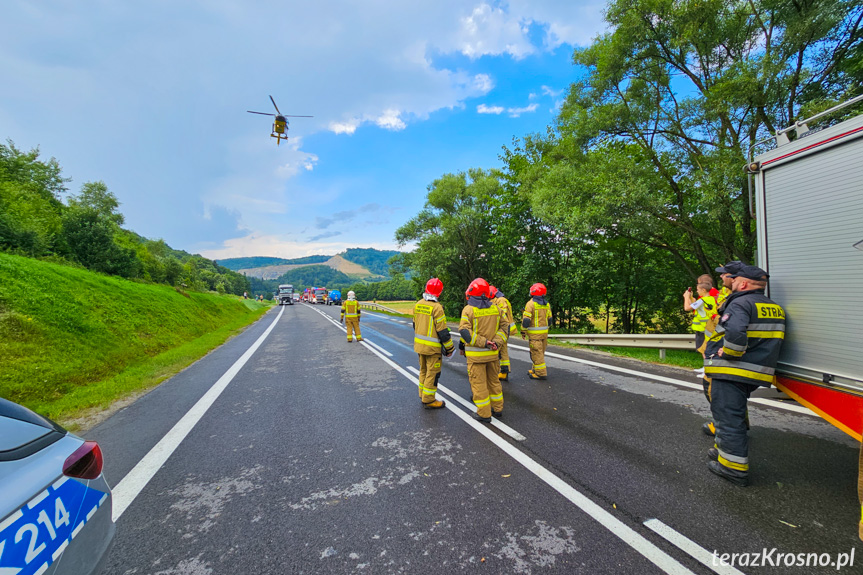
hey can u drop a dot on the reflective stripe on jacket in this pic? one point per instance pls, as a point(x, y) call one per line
point(506, 308)
point(535, 318)
point(430, 329)
point(752, 328)
point(478, 326)
point(350, 308)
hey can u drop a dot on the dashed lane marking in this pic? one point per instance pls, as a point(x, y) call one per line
point(504, 428)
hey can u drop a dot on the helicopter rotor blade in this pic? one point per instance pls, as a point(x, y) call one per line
point(274, 105)
point(292, 116)
point(261, 113)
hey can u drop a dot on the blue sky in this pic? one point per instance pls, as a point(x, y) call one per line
point(151, 98)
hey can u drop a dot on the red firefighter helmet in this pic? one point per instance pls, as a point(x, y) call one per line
point(537, 289)
point(492, 291)
point(477, 287)
point(434, 287)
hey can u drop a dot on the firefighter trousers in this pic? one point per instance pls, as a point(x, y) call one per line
point(728, 405)
point(504, 358)
point(429, 376)
point(485, 387)
point(353, 325)
point(537, 354)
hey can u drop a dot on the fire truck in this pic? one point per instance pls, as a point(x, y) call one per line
point(321, 295)
point(808, 194)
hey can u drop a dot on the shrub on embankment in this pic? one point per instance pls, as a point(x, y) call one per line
point(67, 332)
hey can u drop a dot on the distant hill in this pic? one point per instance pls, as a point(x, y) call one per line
point(366, 264)
point(314, 275)
point(374, 260)
point(238, 264)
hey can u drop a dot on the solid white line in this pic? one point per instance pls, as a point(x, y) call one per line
point(504, 428)
point(413, 369)
point(650, 551)
point(379, 348)
point(697, 386)
point(691, 547)
point(130, 486)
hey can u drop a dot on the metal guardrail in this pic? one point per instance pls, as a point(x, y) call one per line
point(379, 307)
point(660, 341)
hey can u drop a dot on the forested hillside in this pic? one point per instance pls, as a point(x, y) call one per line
point(87, 229)
point(261, 261)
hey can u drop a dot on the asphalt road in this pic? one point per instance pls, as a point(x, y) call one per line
point(317, 458)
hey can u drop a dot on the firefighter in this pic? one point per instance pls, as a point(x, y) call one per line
point(703, 308)
point(431, 342)
point(351, 311)
point(725, 273)
point(752, 327)
point(483, 330)
point(498, 299)
point(534, 326)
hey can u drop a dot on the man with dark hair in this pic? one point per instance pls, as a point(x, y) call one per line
point(752, 327)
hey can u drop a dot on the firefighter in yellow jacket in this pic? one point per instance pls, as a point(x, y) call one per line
point(483, 331)
point(534, 325)
point(351, 316)
point(498, 299)
point(431, 342)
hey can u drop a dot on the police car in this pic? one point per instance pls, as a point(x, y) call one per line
point(55, 505)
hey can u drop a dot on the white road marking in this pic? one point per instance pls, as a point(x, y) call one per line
point(130, 486)
point(413, 369)
point(377, 347)
point(697, 386)
point(650, 551)
point(683, 543)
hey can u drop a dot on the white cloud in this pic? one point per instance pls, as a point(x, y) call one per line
point(548, 91)
point(284, 246)
point(487, 30)
point(346, 127)
point(483, 109)
point(516, 112)
point(390, 120)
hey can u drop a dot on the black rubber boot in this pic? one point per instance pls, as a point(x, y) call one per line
point(740, 478)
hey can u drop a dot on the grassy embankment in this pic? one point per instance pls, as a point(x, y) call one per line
point(73, 341)
point(678, 357)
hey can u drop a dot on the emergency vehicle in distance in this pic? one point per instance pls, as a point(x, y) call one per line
point(320, 295)
point(286, 294)
point(809, 214)
point(306, 294)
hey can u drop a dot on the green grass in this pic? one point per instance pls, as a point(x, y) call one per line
point(72, 340)
point(678, 357)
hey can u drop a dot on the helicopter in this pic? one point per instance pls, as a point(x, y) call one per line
point(280, 124)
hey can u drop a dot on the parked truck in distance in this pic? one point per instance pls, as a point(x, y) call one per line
point(334, 297)
point(286, 294)
point(321, 295)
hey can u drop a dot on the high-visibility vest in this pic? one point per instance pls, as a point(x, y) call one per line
point(481, 325)
point(699, 320)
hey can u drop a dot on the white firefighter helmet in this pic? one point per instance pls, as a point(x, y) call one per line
point(352, 295)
